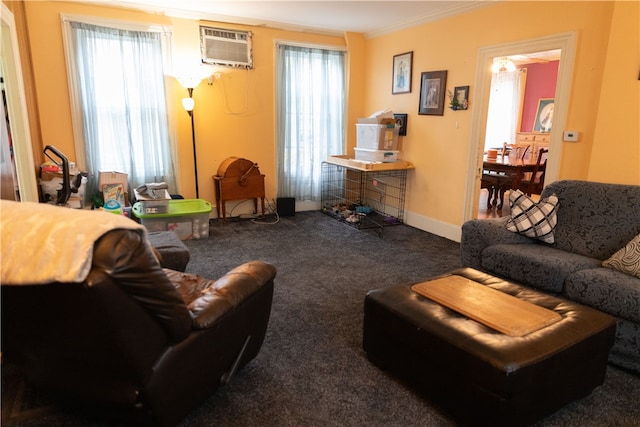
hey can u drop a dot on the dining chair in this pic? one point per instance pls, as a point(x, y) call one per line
point(519, 151)
point(535, 183)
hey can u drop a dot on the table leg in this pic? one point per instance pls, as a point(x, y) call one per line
point(496, 194)
point(490, 189)
point(501, 191)
point(224, 211)
point(517, 179)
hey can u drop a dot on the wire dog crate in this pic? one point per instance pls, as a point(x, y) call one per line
point(364, 198)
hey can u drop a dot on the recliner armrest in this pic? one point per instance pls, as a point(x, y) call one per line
point(229, 292)
point(477, 234)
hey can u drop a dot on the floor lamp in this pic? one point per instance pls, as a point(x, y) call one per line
point(188, 104)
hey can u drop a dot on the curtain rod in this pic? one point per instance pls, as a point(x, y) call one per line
point(311, 45)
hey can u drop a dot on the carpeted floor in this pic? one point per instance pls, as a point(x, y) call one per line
point(311, 370)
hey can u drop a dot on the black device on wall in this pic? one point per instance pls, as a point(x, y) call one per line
point(286, 206)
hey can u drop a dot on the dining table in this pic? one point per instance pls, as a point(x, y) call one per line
point(512, 170)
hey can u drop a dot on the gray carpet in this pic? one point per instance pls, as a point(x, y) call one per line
point(311, 370)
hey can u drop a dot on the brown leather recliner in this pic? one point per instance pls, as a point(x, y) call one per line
point(139, 342)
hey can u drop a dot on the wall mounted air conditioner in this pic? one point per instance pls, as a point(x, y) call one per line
point(221, 46)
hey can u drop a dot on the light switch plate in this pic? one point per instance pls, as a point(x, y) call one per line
point(570, 135)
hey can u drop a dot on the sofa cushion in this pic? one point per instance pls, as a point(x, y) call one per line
point(627, 259)
point(535, 220)
point(607, 290)
point(538, 265)
point(594, 219)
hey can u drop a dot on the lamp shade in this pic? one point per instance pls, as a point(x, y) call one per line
point(189, 82)
point(188, 104)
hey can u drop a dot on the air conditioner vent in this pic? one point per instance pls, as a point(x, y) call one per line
point(221, 46)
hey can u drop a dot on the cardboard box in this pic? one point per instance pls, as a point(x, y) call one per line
point(377, 136)
point(105, 178)
point(113, 192)
point(381, 117)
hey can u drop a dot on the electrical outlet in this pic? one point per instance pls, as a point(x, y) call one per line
point(570, 135)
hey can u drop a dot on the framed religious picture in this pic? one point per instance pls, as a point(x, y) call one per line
point(461, 94)
point(544, 115)
point(401, 123)
point(432, 90)
point(402, 67)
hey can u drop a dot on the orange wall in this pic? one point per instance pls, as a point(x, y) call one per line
point(233, 117)
point(604, 74)
point(439, 145)
point(616, 150)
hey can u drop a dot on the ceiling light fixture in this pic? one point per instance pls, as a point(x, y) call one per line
point(501, 65)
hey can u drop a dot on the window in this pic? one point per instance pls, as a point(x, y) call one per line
point(117, 85)
point(505, 104)
point(310, 117)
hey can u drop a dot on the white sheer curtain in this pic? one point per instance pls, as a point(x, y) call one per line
point(310, 122)
point(504, 108)
point(120, 85)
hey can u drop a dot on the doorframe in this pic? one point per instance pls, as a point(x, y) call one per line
point(17, 108)
point(566, 42)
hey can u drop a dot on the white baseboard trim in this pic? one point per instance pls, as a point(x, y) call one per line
point(430, 225)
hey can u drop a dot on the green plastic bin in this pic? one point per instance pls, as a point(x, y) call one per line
point(188, 218)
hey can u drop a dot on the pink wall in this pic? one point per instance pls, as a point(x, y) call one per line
point(541, 83)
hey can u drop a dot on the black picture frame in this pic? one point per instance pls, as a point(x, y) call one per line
point(402, 71)
point(462, 95)
point(401, 120)
point(433, 85)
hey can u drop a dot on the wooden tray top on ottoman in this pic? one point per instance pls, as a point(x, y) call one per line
point(505, 313)
point(490, 351)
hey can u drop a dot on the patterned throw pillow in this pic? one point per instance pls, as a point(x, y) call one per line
point(627, 259)
point(535, 220)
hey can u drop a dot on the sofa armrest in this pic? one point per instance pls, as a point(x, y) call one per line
point(229, 292)
point(477, 234)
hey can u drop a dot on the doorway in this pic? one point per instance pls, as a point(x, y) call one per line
point(521, 85)
point(9, 190)
point(566, 44)
point(16, 108)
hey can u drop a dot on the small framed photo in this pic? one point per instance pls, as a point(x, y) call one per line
point(462, 95)
point(544, 115)
point(401, 122)
point(432, 90)
point(402, 67)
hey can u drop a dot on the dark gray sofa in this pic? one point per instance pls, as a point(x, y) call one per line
point(594, 220)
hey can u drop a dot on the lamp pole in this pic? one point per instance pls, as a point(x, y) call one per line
point(195, 157)
point(188, 105)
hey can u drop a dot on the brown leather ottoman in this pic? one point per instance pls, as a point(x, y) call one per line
point(481, 376)
point(174, 254)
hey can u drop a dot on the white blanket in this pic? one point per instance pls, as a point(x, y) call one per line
point(44, 243)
